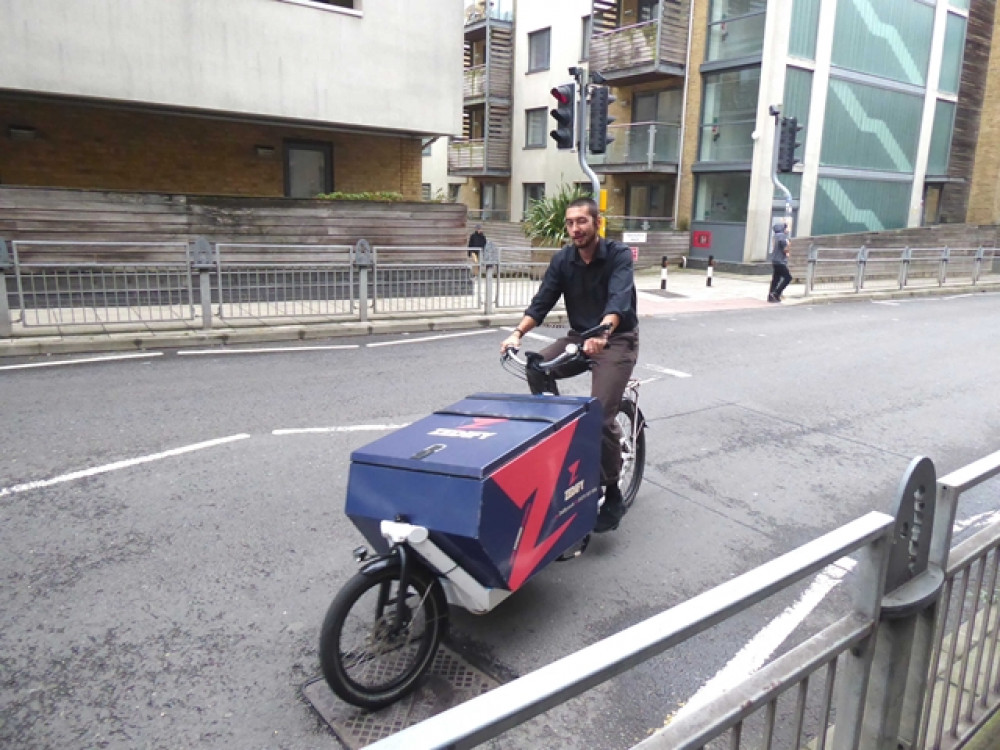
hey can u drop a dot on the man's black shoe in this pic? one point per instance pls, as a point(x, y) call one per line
point(611, 512)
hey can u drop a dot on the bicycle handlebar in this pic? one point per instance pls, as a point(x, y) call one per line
point(571, 353)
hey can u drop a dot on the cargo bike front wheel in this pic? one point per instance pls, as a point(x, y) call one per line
point(379, 638)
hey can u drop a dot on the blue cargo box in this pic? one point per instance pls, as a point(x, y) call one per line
point(504, 483)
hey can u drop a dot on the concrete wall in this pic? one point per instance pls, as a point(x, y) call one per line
point(379, 67)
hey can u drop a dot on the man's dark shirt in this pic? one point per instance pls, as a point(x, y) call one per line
point(591, 290)
point(477, 239)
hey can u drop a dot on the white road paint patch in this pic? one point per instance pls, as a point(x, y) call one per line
point(666, 371)
point(266, 350)
point(430, 338)
point(82, 360)
point(532, 335)
point(125, 464)
point(347, 428)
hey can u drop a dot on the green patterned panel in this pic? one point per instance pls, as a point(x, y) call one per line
point(951, 60)
point(870, 128)
point(805, 20)
point(887, 38)
point(944, 119)
point(847, 205)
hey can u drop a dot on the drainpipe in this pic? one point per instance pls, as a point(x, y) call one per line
point(684, 106)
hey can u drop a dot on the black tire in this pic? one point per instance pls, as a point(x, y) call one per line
point(364, 661)
point(633, 453)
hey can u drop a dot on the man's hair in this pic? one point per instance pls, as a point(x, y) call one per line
point(590, 204)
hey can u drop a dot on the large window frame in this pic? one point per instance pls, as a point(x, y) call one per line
point(535, 120)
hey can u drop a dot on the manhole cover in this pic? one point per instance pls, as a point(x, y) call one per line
point(450, 681)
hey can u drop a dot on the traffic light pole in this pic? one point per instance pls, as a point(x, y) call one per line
point(776, 113)
point(580, 74)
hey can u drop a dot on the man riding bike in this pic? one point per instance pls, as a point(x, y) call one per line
point(594, 277)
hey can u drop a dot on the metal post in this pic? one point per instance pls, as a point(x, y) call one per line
point(943, 270)
point(913, 584)
point(811, 267)
point(363, 260)
point(582, 81)
point(651, 147)
point(203, 257)
point(6, 328)
point(904, 267)
point(977, 266)
point(491, 259)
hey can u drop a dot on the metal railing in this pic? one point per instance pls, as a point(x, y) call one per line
point(904, 659)
point(63, 284)
point(831, 269)
point(641, 145)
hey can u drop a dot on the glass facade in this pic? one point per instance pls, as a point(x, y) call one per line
point(886, 38)
point(722, 196)
point(798, 95)
point(951, 60)
point(944, 119)
point(735, 38)
point(850, 205)
point(729, 111)
point(870, 128)
point(805, 20)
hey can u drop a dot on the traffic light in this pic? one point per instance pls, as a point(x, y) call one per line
point(787, 144)
point(598, 140)
point(565, 115)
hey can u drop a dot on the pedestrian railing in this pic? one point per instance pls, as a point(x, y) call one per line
point(198, 284)
point(908, 663)
point(870, 269)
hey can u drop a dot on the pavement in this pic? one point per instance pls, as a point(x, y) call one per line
point(684, 291)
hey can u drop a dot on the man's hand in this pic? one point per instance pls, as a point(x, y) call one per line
point(511, 342)
point(595, 345)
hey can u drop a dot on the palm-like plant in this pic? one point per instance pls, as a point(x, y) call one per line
point(545, 219)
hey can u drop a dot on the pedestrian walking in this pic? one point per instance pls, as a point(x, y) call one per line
point(781, 277)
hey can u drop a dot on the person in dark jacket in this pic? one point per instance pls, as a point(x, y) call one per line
point(780, 275)
point(594, 276)
point(477, 241)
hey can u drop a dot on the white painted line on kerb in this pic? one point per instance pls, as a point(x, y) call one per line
point(666, 371)
point(430, 338)
point(347, 428)
point(266, 350)
point(83, 360)
point(126, 464)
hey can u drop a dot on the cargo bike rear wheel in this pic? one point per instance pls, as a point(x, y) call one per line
point(372, 651)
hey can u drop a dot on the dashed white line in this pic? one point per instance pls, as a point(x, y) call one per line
point(348, 428)
point(666, 371)
point(429, 338)
point(266, 350)
point(82, 360)
point(125, 464)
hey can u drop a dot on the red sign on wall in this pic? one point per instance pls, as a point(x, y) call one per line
point(635, 253)
point(701, 238)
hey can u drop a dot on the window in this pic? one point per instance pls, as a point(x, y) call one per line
point(534, 131)
point(533, 191)
point(649, 10)
point(453, 189)
point(944, 119)
point(538, 50)
point(889, 38)
point(722, 197)
point(848, 205)
point(427, 148)
point(729, 115)
point(805, 22)
point(951, 60)
point(587, 188)
point(736, 29)
point(308, 169)
point(585, 40)
point(425, 191)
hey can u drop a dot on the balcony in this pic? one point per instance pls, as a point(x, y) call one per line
point(474, 83)
point(643, 51)
point(640, 147)
point(478, 157)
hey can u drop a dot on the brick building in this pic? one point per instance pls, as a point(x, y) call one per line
point(226, 97)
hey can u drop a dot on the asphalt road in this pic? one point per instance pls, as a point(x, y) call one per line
point(161, 590)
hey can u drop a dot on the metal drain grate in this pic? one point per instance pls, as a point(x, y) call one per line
point(450, 681)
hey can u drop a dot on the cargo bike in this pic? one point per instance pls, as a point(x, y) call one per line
point(462, 508)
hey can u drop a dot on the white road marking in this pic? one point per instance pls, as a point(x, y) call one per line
point(532, 335)
point(125, 464)
point(348, 428)
point(430, 338)
point(266, 350)
point(83, 360)
point(666, 371)
point(760, 648)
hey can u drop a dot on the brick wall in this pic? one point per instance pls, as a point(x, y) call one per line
point(984, 194)
point(90, 147)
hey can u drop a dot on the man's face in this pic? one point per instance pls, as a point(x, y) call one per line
point(580, 226)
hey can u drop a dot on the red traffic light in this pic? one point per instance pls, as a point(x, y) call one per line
point(563, 94)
